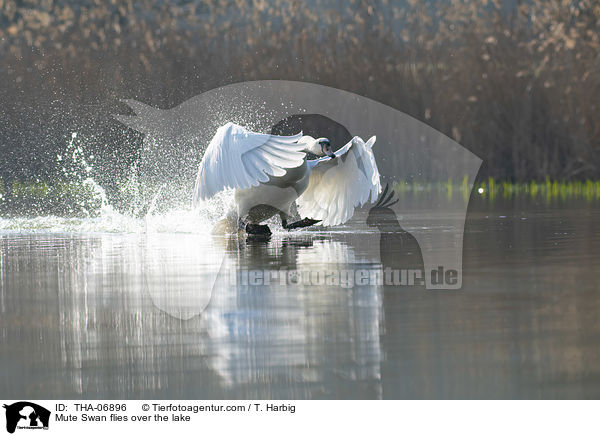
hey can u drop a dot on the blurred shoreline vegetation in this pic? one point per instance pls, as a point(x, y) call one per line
point(491, 189)
point(515, 82)
point(85, 199)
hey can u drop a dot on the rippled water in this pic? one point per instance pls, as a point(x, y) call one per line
point(87, 313)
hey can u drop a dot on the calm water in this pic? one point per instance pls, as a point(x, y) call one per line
point(120, 315)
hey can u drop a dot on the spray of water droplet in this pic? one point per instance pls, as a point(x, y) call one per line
point(88, 208)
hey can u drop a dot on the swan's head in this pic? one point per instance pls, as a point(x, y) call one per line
point(320, 147)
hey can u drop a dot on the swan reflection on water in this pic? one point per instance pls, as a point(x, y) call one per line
point(131, 304)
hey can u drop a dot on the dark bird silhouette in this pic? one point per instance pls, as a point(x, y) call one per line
point(398, 248)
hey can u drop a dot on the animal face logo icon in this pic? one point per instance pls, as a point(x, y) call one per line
point(26, 415)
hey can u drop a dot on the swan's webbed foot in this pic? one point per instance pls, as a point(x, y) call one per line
point(305, 222)
point(258, 229)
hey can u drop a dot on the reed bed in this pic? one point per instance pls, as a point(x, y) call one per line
point(515, 82)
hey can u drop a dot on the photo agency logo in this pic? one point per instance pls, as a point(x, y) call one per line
point(25, 415)
point(293, 155)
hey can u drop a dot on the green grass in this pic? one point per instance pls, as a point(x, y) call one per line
point(40, 197)
point(491, 189)
point(78, 198)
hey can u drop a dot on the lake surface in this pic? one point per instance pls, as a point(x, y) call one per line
point(93, 314)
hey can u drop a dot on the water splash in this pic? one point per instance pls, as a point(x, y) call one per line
point(78, 203)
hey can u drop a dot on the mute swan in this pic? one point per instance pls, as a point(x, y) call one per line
point(269, 173)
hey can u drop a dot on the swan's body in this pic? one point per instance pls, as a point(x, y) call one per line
point(273, 197)
point(270, 173)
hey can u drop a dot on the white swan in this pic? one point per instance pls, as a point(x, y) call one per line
point(269, 173)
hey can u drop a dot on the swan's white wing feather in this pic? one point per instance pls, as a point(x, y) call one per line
point(337, 186)
point(238, 158)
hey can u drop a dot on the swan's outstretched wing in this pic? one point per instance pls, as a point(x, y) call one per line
point(237, 158)
point(337, 186)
